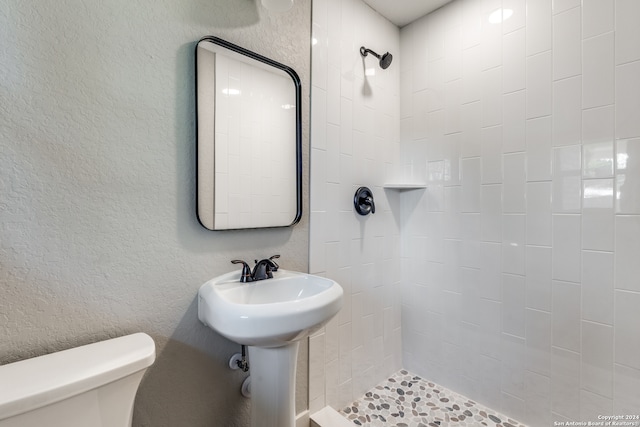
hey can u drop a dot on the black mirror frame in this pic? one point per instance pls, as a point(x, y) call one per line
point(298, 88)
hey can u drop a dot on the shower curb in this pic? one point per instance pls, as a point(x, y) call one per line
point(329, 417)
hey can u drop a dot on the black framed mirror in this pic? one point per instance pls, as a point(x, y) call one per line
point(249, 139)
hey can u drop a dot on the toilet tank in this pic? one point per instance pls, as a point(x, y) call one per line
point(90, 386)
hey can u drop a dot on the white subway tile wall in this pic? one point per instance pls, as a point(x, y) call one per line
point(519, 262)
point(551, 98)
point(355, 141)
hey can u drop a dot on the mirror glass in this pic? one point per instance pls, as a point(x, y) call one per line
point(249, 139)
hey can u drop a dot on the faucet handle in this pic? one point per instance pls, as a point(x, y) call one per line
point(274, 263)
point(245, 276)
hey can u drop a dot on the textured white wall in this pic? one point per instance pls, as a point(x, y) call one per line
point(98, 233)
point(355, 142)
point(520, 261)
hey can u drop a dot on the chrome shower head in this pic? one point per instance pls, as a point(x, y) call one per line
point(385, 60)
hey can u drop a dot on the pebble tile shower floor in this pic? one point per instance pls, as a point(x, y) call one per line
point(406, 400)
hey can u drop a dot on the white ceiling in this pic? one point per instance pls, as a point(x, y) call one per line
point(402, 12)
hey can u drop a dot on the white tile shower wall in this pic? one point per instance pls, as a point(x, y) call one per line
point(355, 139)
point(533, 269)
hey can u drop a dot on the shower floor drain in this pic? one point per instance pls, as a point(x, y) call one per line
point(406, 400)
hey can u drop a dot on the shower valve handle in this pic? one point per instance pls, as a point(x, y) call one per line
point(363, 201)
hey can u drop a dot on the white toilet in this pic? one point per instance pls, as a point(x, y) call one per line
point(90, 386)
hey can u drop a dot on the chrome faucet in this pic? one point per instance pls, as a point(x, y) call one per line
point(263, 269)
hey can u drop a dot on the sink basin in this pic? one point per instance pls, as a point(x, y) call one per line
point(271, 312)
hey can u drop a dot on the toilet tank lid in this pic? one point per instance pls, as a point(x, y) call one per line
point(32, 383)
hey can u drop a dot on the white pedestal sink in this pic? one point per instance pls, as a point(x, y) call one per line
point(270, 316)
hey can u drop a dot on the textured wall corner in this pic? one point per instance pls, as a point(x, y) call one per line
point(98, 233)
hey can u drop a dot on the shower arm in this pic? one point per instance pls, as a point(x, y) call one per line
point(364, 52)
